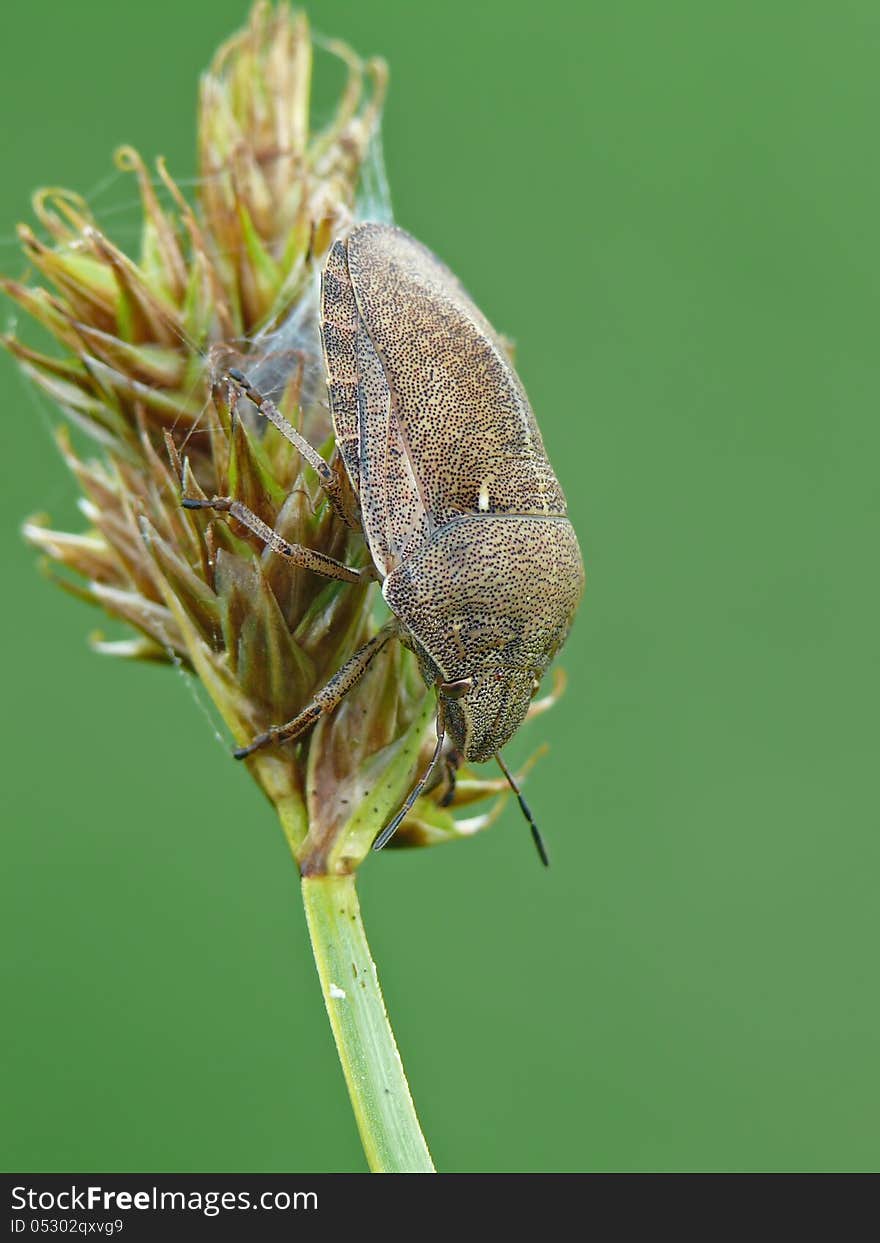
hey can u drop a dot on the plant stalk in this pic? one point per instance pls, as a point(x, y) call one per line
point(380, 1096)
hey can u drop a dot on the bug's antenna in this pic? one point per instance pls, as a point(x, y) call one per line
point(526, 811)
point(390, 829)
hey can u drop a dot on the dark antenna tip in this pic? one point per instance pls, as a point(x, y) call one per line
point(526, 811)
point(539, 842)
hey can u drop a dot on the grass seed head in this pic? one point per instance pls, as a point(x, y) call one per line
point(229, 278)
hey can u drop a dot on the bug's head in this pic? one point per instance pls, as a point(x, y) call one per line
point(483, 711)
point(485, 606)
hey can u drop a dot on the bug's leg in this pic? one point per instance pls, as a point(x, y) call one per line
point(423, 783)
point(328, 697)
point(329, 480)
point(306, 558)
point(452, 761)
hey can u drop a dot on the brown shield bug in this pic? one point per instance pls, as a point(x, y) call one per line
point(463, 516)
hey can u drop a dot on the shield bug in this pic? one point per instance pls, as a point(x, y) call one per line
point(446, 473)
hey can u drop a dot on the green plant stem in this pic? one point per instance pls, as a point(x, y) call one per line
point(380, 1096)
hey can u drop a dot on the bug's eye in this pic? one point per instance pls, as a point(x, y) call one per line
point(455, 690)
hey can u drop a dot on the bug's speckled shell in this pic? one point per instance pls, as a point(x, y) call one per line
point(462, 512)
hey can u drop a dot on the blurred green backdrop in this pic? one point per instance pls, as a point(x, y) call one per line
point(674, 209)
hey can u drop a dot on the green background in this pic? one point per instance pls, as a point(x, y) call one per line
point(674, 210)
